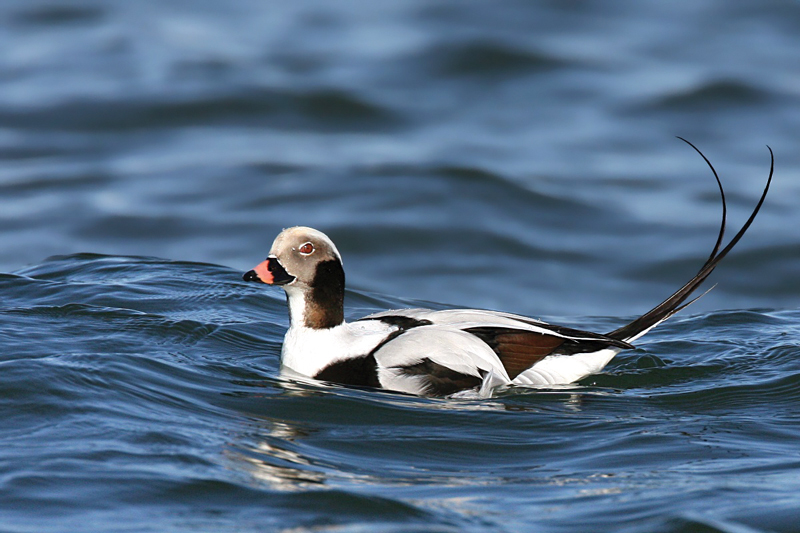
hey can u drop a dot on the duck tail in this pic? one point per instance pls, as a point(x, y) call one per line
point(675, 302)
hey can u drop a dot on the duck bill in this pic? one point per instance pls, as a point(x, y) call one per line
point(270, 272)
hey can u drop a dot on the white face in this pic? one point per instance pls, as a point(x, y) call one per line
point(300, 249)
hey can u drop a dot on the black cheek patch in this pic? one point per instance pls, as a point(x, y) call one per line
point(327, 296)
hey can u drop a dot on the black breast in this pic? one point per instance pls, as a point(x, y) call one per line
point(363, 371)
point(358, 372)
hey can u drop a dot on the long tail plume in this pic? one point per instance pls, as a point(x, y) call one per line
point(675, 303)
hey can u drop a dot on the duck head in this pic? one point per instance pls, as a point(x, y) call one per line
point(306, 263)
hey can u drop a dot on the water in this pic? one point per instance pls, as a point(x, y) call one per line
point(516, 156)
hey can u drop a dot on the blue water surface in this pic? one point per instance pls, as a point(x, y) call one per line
point(518, 156)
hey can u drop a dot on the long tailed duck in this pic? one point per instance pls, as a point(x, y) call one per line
point(440, 353)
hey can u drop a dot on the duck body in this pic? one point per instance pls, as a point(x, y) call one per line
point(438, 353)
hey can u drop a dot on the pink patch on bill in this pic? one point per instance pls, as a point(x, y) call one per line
point(263, 272)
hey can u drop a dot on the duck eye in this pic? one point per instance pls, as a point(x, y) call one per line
point(307, 248)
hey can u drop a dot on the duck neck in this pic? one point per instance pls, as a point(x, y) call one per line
point(320, 305)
